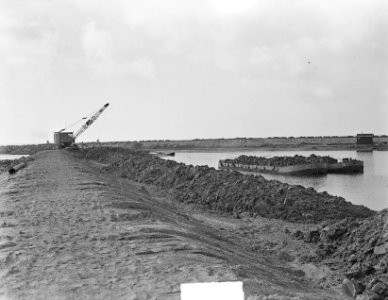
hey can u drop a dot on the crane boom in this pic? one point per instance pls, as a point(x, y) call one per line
point(90, 121)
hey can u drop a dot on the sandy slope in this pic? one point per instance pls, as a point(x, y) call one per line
point(71, 231)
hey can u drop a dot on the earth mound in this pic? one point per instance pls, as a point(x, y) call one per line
point(226, 191)
point(358, 248)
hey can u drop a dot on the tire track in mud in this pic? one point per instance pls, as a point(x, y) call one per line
point(71, 230)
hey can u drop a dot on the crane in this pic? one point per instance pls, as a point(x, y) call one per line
point(64, 138)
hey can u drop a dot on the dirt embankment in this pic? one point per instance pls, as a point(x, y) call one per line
point(71, 230)
point(351, 241)
point(225, 191)
point(357, 249)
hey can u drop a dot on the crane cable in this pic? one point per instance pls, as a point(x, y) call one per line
point(71, 125)
point(83, 118)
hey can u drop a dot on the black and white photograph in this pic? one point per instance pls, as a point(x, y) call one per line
point(193, 150)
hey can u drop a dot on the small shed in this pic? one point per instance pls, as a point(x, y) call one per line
point(365, 139)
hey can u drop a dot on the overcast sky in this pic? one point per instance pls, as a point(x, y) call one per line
point(175, 69)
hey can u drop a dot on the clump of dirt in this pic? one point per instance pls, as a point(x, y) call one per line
point(226, 191)
point(358, 248)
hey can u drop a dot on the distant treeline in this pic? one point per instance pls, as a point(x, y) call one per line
point(26, 149)
point(317, 142)
point(301, 142)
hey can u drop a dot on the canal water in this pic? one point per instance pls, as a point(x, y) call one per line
point(369, 189)
point(10, 156)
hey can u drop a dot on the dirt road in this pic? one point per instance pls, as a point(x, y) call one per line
point(69, 230)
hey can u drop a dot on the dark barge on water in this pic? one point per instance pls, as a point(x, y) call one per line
point(293, 165)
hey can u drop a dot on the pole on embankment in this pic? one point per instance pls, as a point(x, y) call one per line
point(16, 168)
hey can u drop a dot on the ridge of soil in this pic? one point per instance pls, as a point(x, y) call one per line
point(227, 191)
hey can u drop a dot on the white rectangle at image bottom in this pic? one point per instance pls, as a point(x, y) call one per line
point(232, 290)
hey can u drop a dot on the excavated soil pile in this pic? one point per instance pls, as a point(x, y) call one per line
point(281, 161)
point(359, 249)
point(227, 191)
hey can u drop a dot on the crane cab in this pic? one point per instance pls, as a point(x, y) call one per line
point(63, 139)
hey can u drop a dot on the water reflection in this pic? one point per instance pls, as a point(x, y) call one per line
point(10, 156)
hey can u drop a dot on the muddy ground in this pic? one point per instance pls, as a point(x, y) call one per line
point(70, 229)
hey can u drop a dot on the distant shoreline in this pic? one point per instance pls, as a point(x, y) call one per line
point(333, 143)
point(252, 149)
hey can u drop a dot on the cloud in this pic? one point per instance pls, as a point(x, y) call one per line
point(98, 46)
point(110, 69)
point(96, 43)
point(233, 7)
point(218, 52)
point(143, 67)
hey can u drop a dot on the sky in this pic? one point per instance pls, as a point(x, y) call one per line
point(177, 69)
